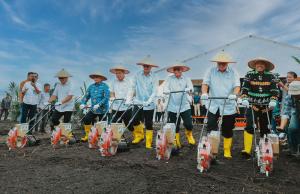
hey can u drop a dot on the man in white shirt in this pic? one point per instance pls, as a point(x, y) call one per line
point(30, 90)
point(222, 81)
point(144, 86)
point(44, 107)
point(119, 90)
point(180, 102)
point(63, 93)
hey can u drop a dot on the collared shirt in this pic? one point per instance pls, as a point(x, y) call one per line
point(289, 107)
point(174, 84)
point(44, 98)
point(31, 97)
point(221, 84)
point(99, 94)
point(120, 88)
point(61, 92)
point(144, 87)
point(260, 88)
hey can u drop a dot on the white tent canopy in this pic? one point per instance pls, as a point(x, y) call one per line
point(242, 50)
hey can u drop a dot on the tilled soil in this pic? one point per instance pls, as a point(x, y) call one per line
point(78, 169)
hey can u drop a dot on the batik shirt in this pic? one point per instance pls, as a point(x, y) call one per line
point(99, 94)
point(260, 88)
point(289, 107)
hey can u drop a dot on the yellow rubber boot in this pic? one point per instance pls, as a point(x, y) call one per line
point(87, 129)
point(71, 138)
point(149, 137)
point(190, 138)
point(177, 141)
point(139, 134)
point(248, 138)
point(141, 130)
point(227, 147)
point(134, 133)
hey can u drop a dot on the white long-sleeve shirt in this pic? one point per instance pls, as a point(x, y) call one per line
point(144, 87)
point(174, 84)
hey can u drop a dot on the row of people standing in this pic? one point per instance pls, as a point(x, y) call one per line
point(259, 90)
point(140, 94)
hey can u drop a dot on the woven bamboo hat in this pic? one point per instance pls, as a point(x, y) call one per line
point(181, 66)
point(294, 88)
point(223, 57)
point(269, 65)
point(119, 68)
point(147, 61)
point(97, 74)
point(63, 73)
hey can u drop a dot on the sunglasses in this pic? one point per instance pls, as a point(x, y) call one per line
point(61, 78)
point(222, 64)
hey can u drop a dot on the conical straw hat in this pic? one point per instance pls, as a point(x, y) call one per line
point(63, 73)
point(120, 68)
point(269, 65)
point(97, 73)
point(182, 66)
point(147, 61)
point(223, 57)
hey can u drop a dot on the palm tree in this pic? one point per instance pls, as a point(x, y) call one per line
point(13, 91)
point(296, 59)
point(83, 88)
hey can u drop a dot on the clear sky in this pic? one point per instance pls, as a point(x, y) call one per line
point(87, 35)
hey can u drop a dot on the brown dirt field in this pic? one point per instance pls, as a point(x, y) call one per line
point(77, 169)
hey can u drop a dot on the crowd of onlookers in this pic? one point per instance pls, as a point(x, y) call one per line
point(30, 103)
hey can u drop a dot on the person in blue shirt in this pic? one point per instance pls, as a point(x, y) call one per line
point(180, 102)
point(222, 81)
point(196, 103)
point(291, 112)
point(143, 89)
point(99, 95)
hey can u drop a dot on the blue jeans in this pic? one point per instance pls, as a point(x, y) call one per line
point(294, 132)
point(28, 112)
